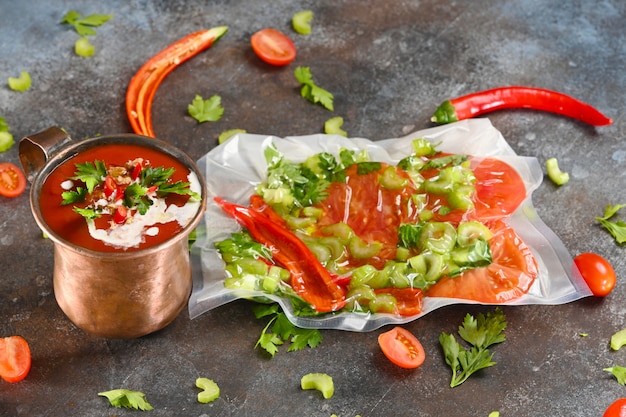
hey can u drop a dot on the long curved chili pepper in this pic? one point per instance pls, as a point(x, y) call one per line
point(144, 84)
point(481, 102)
point(309, 278)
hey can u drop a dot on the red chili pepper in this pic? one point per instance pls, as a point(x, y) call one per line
point(309, 278)
point(146, 81)
point(120, 215)
point(475, 104)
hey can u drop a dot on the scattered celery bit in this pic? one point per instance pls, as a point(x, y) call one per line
point(227, 134)
point(209, 110)
point(618, 339)
point(127, 398)
point(84, 48)
point(616, 228)
point(619, 372)
point(6, 138)
point(312, 92)
point(21, 83)
point(480, 333)
point(301, 22)
point(333, 125)
point(319, 381)
point(494, 414)
point(210, 390)
point(554, 172)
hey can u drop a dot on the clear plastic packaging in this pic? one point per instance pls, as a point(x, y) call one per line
point(233, 170)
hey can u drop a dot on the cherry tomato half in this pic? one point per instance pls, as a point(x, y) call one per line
point(273, 47)
point(402, 348)
point(617, 409)
point(15, 359)
point(597, 273)
point(12, 180)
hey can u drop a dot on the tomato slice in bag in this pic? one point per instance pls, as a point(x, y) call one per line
point(508, 277)
point(499, 188)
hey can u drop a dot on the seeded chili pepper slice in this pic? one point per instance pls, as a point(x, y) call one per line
point(475, 104)
point(146, 81)
point(309, 279)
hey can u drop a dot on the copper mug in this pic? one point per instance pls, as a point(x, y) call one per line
point(112, 294)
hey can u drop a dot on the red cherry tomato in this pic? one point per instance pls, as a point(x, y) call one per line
point(402, 348)
point(597, 273)
point(617, 409)
point(273, 47)
point(12, 180)
point(15, 359)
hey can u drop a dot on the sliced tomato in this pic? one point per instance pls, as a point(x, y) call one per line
point(508, 277)
point(12, 180)
point(273, 47)
point(408, 300)
point(499, 188)
point(15, 358)
point(597, 273)
point(374, 213)
point(402, 348)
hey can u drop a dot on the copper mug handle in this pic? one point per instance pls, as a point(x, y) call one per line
point(35, 150)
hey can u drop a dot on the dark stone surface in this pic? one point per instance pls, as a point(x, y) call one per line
point(389, 64)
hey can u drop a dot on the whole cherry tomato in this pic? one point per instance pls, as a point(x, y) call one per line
point(597, 273)
point(617, 409)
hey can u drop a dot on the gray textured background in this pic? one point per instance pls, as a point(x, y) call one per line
point(389, 64)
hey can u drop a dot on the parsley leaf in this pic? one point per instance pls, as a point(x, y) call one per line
point(87, 213)
point(84, 25)
point(209, 110)
point(619, 372)
point(180, 187)
point(481, 333)
point(71, 197)
point(135, 195)
point(90, 174)
point(127, 398)
point(280, 330)
point(312, 92)
point(616, 228)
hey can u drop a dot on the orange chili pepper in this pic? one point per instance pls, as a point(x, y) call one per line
point(309, 278)
point(146, 81)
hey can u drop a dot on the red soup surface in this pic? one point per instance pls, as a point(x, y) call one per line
point(73, 227)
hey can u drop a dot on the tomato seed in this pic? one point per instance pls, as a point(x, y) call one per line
point(8, 180)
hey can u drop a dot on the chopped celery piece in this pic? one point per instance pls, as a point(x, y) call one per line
point(469, 231)
point(391, 180)
point(21, 83)
point(438, 237)
point(333, 125)
point(384, 303)
point(319, 381)
point(360, 249)
point(554, 172)
point(301, 22)
point(340, 230)
point(618, 339)
point(210, 390)
point(82, 47)
point(227, 134)
point(422, 147)
point(6, 141)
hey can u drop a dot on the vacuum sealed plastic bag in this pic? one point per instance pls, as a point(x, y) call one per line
point(537, 266)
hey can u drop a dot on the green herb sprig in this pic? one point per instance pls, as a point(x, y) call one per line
point(311, 91)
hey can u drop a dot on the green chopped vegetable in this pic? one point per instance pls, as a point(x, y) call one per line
point(84, 25)
point(481, 333)
point(280, 330)
point(209, 110)
point(21, 83)
point(616, 228)
point(84, 48)
point(6, 138)
point(91, 174)
point(554, 172)
point(301, 22)
point(618, 339)
point(127, 399)
point(333, 125)
point(227, 134)
point(319, 381)
point(210, 390)
point(619, 372)
point(312, 92)
point(494, 414)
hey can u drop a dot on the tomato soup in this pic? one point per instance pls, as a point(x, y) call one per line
point(119, 197)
